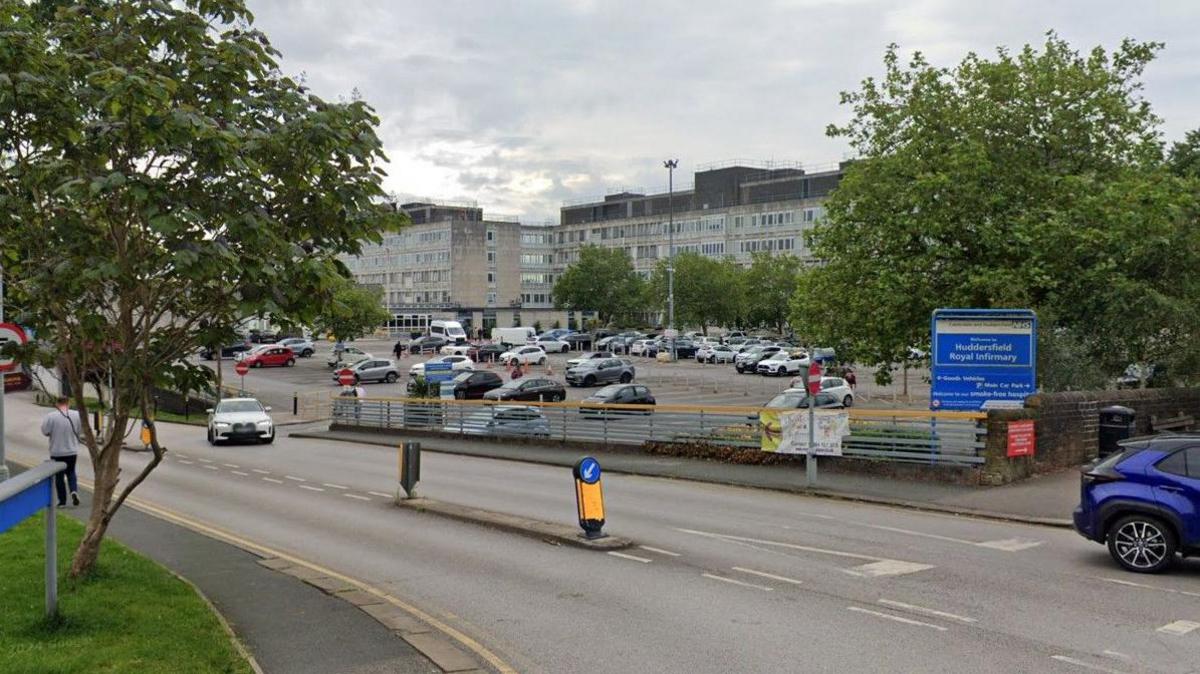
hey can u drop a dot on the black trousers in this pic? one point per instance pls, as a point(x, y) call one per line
point(68, 475)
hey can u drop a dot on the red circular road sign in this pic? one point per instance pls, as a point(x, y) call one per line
point(241, 368)
point(10, 332)
point(346, 377)
point(814, 378)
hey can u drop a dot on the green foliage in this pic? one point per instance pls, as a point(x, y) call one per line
point(707, 291)
point(422, 388)
point(604, 281)
point(1033, 179)
point(160, 180)
point(769, 284)
point(352, 312)
point(537, 327)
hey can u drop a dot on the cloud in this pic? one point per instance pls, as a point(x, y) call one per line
point(520, 106)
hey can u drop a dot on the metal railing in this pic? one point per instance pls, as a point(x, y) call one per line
point(890, 435)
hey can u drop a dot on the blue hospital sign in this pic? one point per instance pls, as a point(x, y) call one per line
point(983, 358)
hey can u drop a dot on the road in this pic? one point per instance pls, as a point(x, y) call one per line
point(723, 579)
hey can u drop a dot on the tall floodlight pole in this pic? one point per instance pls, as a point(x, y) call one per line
point(3, 466)
point(670, 165)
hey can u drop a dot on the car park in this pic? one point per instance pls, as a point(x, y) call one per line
point(348, 354)
point(1143, 502)
point(716, 353)
point(427, 344)
point(502, 420)
point(457, 364)
point(528, 388)
point(472, 385)
point(524, 355)
point(269, 355)
point(230, 351)
point(552, 345)
point(244, 419)
point(782, 363)
point(618, 394)
point(300, 346)
point(599, 371)
point(588, 355)
point(371, 369)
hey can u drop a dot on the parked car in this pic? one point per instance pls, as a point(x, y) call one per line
point(349, 354)
point(472, 385)
point(716, 353)
point(427, 344)
point(552, 344)
point(734, 337)
point(797, 399)
point(1143, 502)
point(488, 353)
point(824, 356)
point(524, 355)
point(257, 336)
point(502, 420)
point(579, 340)
point(618, 394)
point(240, 419)
point(371, 369)
point(229, 351)
point(638, 347)
point(300, 346)
point(588, 355)
point(463, 349)
point(269, 355)
point(457, 364)
point(782, 363)
point(834, 386)
point(748, 362)
point(684, 348)
point(599, 371)
point(528, 388)
point(556, 333)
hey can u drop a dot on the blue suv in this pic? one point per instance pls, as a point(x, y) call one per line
point(1144, 502)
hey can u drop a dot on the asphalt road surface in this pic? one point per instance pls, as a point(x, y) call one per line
point(723, 579)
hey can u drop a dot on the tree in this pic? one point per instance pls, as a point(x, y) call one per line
point(1033, 179)
point(770, 282)
point(604, 281)
point(353, 311)
point(160, 180)
point(706, 290)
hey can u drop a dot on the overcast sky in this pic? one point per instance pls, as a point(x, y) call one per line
point(521, 105)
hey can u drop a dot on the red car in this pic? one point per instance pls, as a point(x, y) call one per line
point(270, 356)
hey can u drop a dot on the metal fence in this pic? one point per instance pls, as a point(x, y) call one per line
point(889, 435)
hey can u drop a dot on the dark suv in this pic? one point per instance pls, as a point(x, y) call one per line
point(1144, 502)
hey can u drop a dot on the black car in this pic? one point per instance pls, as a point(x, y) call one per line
point(427, 344)
point(487, 353)
point(617, 394)
point(528, 388)
point(472, 385)
point(207, 353)
point(750, 365)
point(263, 337)
point(579, 340)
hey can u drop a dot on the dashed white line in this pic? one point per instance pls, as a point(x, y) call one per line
point(926, 611)
point(1085, 665)
point(1130, 583)
point(356, 496)
point(792, 546)
point(896, 618)
point(660, 551)
point(187, 462)
point(271, 479)
point(261, 471)
point(634, 558)
point(1010, 544)
point(334, 486)
point(181, 456)
point(210, 467)
point(309, 487)
point(376, 493)
point(732, 581)
point(238, 472)
point(203, 460)
point(772, 576)
point(887, 567)
point(297, 479)
point(231, 465)
point(1179, 627)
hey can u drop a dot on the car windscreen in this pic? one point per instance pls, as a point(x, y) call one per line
point(228, 406)
point(786, 400)
point(608, 391)
point(462, 376)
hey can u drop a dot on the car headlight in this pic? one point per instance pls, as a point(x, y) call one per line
point(264, 424)
point(222, 424)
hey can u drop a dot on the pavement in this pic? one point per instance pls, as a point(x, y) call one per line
point(1047, 499)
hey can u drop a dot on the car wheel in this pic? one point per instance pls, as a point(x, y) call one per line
point(269, 439)
point(391, 378)
point(291, 362)
point(589, 380)
point(460, 395)
point(626, 378)
point(848, 401)
point(514, 362)
point(257, 363)
point(1141, 543)
point(542, 360)
point(212, 440)
point(307, 353)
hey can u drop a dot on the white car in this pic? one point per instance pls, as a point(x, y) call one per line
point(457, 349)
point(348, 355)
point(638, 348)
point(715, 353)
point(299, 346)
point(745, 354)
point(550, 345)
point(783, 363)
point(834, 386)
point(525, 355)
point(240, 419)
point(457, 364)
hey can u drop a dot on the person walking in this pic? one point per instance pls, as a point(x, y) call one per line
point(62, 427)
point(398, 350)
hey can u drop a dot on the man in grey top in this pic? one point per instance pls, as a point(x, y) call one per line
point(62, 427)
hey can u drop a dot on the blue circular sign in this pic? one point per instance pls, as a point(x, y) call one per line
point(588, 470)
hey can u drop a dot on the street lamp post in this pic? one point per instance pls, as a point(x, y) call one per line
point(670, 165)
point(3, 465)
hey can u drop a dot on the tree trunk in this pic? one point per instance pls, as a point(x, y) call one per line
point(107, 469)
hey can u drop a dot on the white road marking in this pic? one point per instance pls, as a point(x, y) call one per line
point(1085, 665)
point(181, 456)
point(203, 460)
point(736, 582)
point(309, 487)
point(887, 567)
point(187, 462)
point(622, 555)
point(271, 479)
point(1130, 583)
point(210, 467)
point(334, 486)
point(231, 465)
point(927, 611)
point(356, 496)
point(660, 551)
point(238, 472)
point(1179, 627)
point(376, 493)
point(297, 479)
point(1010, 544)
point(261, 471)
point(910, 532)
point(1116, 654)
point(772, 576)
point(791, 546)
point(906, 621)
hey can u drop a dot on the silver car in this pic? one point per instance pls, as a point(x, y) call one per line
point(240, 419)
point(601, 371)
point(502, 420)
point(300, 346)
point(371, 369)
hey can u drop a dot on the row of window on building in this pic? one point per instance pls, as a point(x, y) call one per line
point(400, 260)
point(405, 239)
point(757, 245)
point(536, 298)
point(529, 259)
point(397, 298)
point(536, 278)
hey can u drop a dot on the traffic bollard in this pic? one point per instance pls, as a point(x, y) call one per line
point(410, 469)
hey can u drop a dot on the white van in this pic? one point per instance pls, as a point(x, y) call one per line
point(451, 330)
point(512, 336)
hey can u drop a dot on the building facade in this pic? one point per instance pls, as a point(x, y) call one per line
point(452, 263)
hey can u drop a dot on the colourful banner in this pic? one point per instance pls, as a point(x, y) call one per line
point(790, 432)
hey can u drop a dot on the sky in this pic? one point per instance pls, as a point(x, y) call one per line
point(522, 105)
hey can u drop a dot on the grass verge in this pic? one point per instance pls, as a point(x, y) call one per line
point(132, 615)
